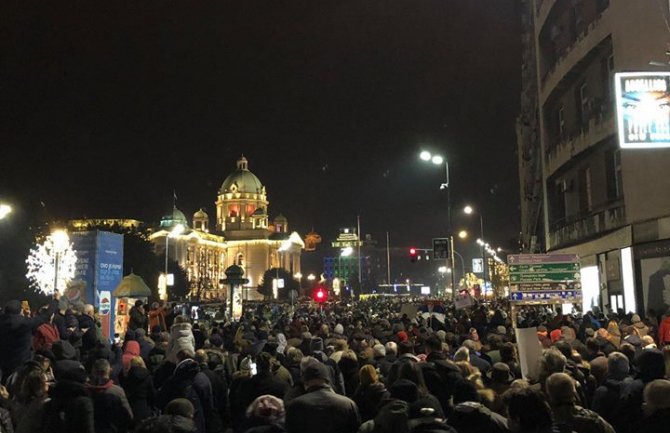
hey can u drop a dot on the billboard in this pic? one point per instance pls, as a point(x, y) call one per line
point(98, 271)
point(643, 109)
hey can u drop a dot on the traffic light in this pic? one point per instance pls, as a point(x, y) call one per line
point(320, 295)
point(413, 255)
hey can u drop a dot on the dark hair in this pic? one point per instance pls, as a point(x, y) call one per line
point(434, 343)
point(592, 344)
point(412, 372)
point(507, 352)
point(405, 347)
point(565, 348)
point(264, 361)
point(32, 385)
point(529, 408)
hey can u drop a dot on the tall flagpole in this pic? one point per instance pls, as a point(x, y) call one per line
point(388, 260)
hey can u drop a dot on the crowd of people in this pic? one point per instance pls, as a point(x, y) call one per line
point(344, 367)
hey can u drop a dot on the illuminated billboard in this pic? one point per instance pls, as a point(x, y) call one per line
point(643, 109)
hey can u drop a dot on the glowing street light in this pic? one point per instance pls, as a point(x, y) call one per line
point(469, 210)
point(311, 277)
point(439, 160)
point(5, 210)
point(463, 234)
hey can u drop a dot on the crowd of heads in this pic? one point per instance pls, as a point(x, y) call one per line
point(377, 365)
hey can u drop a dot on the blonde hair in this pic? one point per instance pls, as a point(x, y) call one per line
point(137, 362)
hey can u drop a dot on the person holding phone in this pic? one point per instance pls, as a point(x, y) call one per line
point(16, 333)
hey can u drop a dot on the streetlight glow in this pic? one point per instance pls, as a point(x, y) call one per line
point(437, 160)
point(463, 234)
point(311, 277)
point(5, 210)
point(468, 209)
point(442, 269)
point(425, 155)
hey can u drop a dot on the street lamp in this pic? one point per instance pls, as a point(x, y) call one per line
point(463, 234)
point(5, 210)
point(176, 231)
point(469, 210)
point(439, 160)
point(60, 241)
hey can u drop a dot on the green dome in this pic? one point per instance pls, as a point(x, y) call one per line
point(174, 218)
point(242, 180)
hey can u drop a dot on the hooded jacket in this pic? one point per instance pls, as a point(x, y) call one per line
point(131, 351)
point(181, 338)
point(70, 409)
point(182, 384)
point(112, 412)
point(139, 388)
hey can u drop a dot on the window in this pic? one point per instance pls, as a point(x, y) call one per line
point(585, 192)
point(614, 174)
point(583, 106)
point(561, 124)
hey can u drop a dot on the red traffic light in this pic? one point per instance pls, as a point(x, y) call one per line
point(412, 255)
point(320, 295)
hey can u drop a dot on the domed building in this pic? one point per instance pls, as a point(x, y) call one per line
point(241, 235)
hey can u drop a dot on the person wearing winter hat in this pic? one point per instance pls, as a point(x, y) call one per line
point(555, 335)
point(641, 328)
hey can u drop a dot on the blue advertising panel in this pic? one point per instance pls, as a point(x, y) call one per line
point(81, 290)
point(109, 272)
point(99, 269)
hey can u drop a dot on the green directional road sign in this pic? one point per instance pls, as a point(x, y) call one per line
point(547, 267)
point(532, 277)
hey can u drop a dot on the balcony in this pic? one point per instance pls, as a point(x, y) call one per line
point(600, 126)
point(572, 59)
point(579, 228)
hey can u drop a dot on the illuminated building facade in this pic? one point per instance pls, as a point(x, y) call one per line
point(580, 191)
point(241, 234)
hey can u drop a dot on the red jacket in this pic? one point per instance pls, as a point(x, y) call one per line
point(45, 336)
point(664, 332)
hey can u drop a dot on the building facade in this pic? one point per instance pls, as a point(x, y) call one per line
point(581, 192)
point(241, 234)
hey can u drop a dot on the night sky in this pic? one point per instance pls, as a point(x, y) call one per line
point(109, 106)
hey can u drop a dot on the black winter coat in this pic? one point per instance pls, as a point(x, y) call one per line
point(368, 397)
point(16, 338)
point(246, 391)
point(139, 387)
point(322, 410)
point(70, 409)
point(183, 384)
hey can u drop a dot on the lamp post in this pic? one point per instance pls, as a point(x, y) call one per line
point(469, 210)
point(176, 231)
point(59, 241)
point(438, 160)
